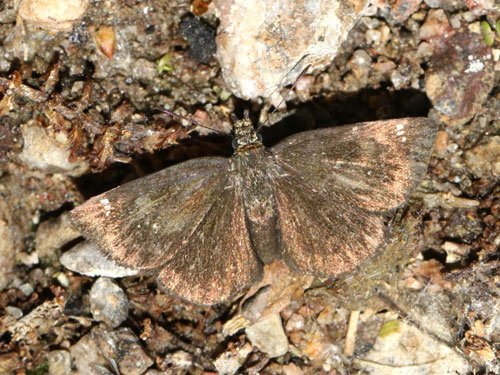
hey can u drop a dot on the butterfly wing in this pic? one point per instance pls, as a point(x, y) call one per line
point(332, 184)
point(173, 221)
point(224, 262)
point(376, 164)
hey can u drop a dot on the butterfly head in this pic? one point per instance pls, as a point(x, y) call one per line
point(245, 136)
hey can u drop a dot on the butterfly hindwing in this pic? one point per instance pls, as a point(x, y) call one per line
point(323, 241)
point(218, 259)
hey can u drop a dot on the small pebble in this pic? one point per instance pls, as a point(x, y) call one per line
point(292, 369)
point(484, 159)
point(15, 312)
point(360, 63)
point(268, 335)
point(436, 24)
point(108, 302)
point(229, 362)
point(144, 70)
point(27, 289)
point(28, 259)
point(123, 346)
point(63, 279)
point(46, 151)
point(441, 145)
point(52, 15)
point(425, 50)
point(180, 359)
point(295, 323)
point(373, 37)
point(59, 362)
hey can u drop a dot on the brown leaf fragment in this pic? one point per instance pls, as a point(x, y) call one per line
point(86, 98)
point(6, 104)
point(103, 148)
point(199, 7)
point(479, 346)
point(105, 40)
point(51, 78)
point(10, 362)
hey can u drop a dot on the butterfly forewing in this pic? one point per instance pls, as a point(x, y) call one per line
point(143, 223)
point(372, 165)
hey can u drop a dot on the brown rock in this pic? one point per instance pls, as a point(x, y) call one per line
point(460, 77)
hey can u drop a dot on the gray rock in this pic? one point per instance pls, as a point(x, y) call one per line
point(27, 289)
point(48, 152)
point(86, 259)
point(268, 335)
point(108, 302)
point(262, 47)
point(59, 362)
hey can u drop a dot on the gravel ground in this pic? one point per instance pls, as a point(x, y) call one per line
point(78, 116)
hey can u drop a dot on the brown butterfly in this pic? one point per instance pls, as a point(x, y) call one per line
point(316, 200)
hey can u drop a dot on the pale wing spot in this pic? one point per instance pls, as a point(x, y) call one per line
point(350, 182)
point(106, 206)
point(400, 127)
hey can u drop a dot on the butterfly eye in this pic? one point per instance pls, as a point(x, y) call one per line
point(259, 137)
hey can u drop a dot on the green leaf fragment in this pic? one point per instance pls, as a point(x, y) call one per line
point(164, 64)
point(388, 328)
point(43, 369)
point(488, 35)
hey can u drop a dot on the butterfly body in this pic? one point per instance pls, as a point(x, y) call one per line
point(317, 200)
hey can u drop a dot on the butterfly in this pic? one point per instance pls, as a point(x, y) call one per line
point(316, 200)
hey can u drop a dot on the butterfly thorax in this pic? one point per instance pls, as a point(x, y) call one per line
point(245, 137)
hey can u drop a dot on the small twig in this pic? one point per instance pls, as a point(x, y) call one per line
point(350, 338)
point(398, 366)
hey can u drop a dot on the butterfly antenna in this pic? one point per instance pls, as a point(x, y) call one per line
point(190, 119)
point(283, 99)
